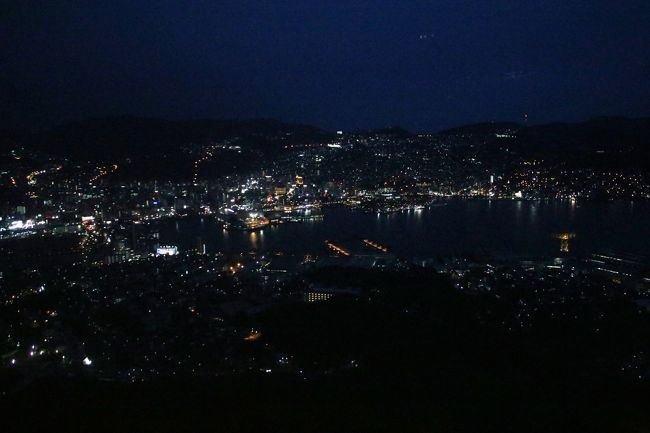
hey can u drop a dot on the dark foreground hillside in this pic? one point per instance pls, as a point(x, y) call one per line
point(409, 354)
point(344, 403)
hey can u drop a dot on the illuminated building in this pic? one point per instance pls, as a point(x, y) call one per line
point(317, 296)
point(118, 257)
point(325, 293)
point(20, 225)
point(16, 225)
point(299, 180)
point(255, 221)
point(166, 250)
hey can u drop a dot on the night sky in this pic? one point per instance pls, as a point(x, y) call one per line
point(424, 65)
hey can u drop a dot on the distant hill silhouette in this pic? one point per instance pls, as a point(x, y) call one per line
point(484, 128)
point(393, 131)
point(603, 133)
point(603, 142)
point(628, 138)
point(129, 135)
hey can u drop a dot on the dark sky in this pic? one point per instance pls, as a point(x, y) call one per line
point(425, 65)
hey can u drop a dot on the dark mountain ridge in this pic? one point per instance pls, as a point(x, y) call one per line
point(392, 131)
point(483, 128)
point(604, 143)
point(600, 133)
point(131, 135)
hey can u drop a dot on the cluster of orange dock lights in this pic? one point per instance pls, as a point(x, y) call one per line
point(337, 249)
point(342, 251)
point(375, 245)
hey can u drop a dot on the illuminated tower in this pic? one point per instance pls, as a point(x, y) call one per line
point(564, 240)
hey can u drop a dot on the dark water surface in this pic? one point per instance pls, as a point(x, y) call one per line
point(497, 227)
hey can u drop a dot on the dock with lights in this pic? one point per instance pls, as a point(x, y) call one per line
point(337, 249)
point(375, 245)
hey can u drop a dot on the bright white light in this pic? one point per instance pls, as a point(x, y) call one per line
point(87, 361)
point(16, 225)
point(166, 250)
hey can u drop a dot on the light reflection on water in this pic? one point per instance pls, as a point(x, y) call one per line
point(499, 227)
